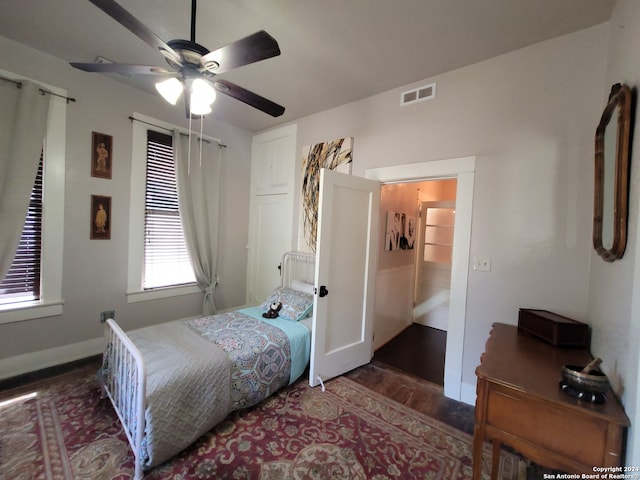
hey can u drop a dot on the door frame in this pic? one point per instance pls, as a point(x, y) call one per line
point(463, 169)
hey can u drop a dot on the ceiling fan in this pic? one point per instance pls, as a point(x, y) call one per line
point(192, 66)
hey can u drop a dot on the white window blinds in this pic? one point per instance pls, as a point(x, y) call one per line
point(166, 261)
point(22, 282)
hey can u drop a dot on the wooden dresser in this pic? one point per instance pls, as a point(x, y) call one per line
point(519, 403)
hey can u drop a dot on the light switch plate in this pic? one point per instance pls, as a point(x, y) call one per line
point(482, 264)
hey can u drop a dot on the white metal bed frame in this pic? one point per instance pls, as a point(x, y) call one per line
point(299, 266)
point(122, 359)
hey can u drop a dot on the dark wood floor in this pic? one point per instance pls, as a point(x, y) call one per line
point(410, 370)
point(416, 393)
point(418, 350)
point(26, 379)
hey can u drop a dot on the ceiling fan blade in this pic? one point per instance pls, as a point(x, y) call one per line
point(122, 68)
point(135, 26)
point(253, 99)
point(255, 47)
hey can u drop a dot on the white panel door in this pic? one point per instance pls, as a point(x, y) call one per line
point(273, 161)
point(271, 237)
point(346, 257)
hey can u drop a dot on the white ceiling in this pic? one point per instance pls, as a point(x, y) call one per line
point(333, 51)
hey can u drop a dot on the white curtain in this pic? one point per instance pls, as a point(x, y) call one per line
point(23, 122)
point(198, 174)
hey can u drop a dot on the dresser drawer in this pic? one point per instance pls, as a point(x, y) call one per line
point(548, 426)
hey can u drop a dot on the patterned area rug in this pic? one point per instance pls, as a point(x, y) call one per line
point(65, 431)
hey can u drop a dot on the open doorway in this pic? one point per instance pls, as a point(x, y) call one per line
point(463, 170)
point(423, 212)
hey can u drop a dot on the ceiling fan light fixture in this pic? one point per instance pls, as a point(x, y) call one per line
point(200, 109)
point(204, 91)
point(190, 61)
point(170, 89)
point(202, 97)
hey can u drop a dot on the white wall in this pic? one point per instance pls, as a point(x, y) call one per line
point(95, 272)
point(529, 118)
point(614, 302)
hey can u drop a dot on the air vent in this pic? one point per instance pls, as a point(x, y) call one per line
point(100, 59)
point(418, 94)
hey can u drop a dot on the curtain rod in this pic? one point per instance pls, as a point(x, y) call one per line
point(133, 119)
point(18, 84)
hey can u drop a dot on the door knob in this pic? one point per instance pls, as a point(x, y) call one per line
point(323, 291)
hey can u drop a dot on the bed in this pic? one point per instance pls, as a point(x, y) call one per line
point(171, 383)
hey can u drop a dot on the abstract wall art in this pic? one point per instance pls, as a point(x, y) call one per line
point(334, 155)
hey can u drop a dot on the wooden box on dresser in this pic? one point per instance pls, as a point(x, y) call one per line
point(519, 403)
point(553, 328)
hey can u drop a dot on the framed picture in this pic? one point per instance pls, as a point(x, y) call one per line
point(100, 217)
point(401, 231)
point(101, 158)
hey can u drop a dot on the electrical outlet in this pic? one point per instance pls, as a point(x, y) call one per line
point(107, 314)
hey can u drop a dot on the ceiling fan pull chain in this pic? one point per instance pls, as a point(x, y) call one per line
point(201, 139)
point(189, 149)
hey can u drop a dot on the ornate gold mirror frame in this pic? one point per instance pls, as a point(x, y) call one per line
point(612, 175)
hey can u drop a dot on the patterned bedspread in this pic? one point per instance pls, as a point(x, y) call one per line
point(260, 354)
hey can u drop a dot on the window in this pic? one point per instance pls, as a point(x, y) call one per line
point(46, 298)
point(438, 235)
point(157, 266)
point(22, 282)
point(166, 261)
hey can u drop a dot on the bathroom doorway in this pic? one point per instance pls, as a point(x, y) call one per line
point(462, 169)
point(418, 274)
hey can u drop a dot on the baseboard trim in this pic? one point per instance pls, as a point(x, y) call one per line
point(468, 393)
point(31, 362)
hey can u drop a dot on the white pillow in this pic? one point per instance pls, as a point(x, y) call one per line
point(302, 287)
